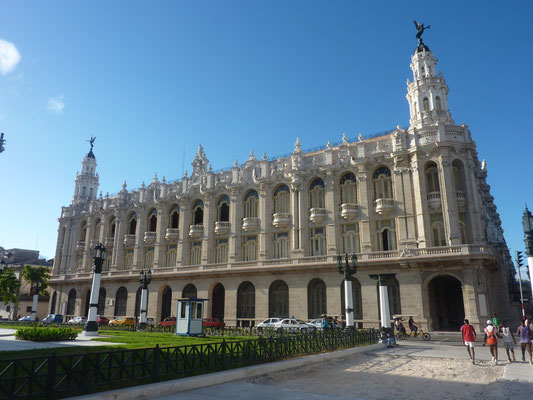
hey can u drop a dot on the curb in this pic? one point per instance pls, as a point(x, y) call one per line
point(166, 388)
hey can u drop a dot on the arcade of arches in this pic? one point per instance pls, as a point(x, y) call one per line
point(437, 305)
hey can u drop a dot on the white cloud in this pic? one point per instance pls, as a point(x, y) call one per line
point(56, 104)
point(9, 57)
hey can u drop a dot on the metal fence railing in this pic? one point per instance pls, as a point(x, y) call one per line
point(57, 376)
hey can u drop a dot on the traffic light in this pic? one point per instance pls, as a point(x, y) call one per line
point(519, 259)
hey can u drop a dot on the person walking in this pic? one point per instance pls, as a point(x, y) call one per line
point(468, 333)
point(491, 339)
point(509, 340)
point(495, 321)
point(525, 341)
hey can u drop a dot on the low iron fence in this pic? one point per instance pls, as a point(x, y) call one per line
point(57, 376)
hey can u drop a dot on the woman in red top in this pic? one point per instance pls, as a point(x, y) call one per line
point(469, 337)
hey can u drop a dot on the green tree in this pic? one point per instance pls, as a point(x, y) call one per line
point(9, 286)
point(37, 274)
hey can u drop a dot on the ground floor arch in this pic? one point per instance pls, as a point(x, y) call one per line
point(446, 303)
point(166, 303)
point(218, 299)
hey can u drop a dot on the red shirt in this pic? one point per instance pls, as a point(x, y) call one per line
point(468, 333)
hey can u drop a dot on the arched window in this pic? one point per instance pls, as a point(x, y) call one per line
point(218, 302)
point(53, 305)
point(281, 245)
point(189, 291)
point(318, 241)
point(438, 104)
point(101, 302)
point(246, 300)
point(282, 196)
point(386, 233)
point(132, 224)
point(278, 299)
point(113, 227)
point(83, 231)
point(221, 250)
point(121, 301)
point(148, 257)
point(393, 291)
point(382, 180)
point(348, 189)
point(223, 209)
point(196, 253)
point(166, 303)
point(83, 191)
point(71, 304)
point(357, 299)
point(432, 178)
point(171, 256)
point(316, 194)
point(426, 105)
point(128, 260)
point(439, 237)
point(458, 176)
point(350, 238)
point(250, 204)
point(97, 226)
point(462, 228)
point(249, 248)
point(152, 220)
point(198, 212)
point(174, 217)
point(316, 298)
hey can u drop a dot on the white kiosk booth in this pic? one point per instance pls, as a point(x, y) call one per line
point(190, 320)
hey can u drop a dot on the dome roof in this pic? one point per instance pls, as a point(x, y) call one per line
point(90, 154)
point(421, 48)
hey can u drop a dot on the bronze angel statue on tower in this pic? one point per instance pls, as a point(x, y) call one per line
point(420, 28)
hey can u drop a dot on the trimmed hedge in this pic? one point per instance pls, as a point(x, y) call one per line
point(36, 334)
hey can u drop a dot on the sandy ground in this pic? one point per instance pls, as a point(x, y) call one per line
point(382, 376)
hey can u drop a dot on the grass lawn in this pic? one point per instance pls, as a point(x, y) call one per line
point(123, 340)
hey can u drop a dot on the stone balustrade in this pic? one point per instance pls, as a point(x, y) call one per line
point(281, 220)
point(172, 234)
point(250, 224)
point(384, 207)
point(349, 211)
point(149, 238)
point(317, 215)
point(222, 228)
point(196, 231)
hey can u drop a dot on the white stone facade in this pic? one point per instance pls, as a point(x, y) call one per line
point(262, 237)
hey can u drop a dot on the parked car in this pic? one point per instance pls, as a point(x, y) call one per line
point(293, 325)
point(53, 319)
point(170, 321)
point(119, 321)
point(213, 323)
point(27, 318)
point(267, 323)
point(77, 320)
point(100, 319)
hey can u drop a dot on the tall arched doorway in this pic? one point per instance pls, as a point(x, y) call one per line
point(219, 296)
point(87, 303)
point(53, 306)
point(189, 291)
point(101, 301)
point(278, 300)
point(121, 302)
point(446, 303)
point(166, 303)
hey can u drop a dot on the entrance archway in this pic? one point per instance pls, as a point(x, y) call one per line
point(166, 303)
point(446, 303)
point(219, 294)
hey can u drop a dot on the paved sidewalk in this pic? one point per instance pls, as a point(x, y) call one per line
point(8, 342)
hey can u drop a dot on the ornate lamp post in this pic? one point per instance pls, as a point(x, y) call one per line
point(91, 328)
point(35, 292)
point(384, 297)
point(347, 270)
point(144, 278)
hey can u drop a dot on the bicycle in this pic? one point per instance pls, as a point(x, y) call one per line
point(403, 335)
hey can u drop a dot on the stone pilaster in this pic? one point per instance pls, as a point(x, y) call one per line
point(449, 202)
point(366, 209)
point(208, 243)
point(139, 239)
point(160, 241)
point(420, 208)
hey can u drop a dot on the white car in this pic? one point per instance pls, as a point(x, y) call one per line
point(293, 325)
point(317, 323)
point(77, 320)
point(267, 323)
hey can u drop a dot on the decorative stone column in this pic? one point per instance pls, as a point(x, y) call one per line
point(160, 241)
point(421, 210)
point(184, 225)
point(332, 216)
point(365, 212)
point(449, 202)
point(236, 208)
point(265, 217)
point(118, 242)
point(209, 228)
point(139, 238)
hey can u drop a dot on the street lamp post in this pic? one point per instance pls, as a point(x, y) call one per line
point(35, 292)
point(144, 278)
point(347, 270)
point(384, 297)
point(91, 328)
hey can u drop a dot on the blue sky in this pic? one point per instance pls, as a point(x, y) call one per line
point(152, 80)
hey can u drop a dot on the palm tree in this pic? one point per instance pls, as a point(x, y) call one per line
point(38, 278)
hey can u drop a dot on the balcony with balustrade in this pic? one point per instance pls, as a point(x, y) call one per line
point(349, 211)
point(109, 241)
point(317, 215)
point(80, 246)
point(384, 207)
point(149, 238)
point(461, 200)
point(434, 201)
point(129, 240)
point(250, 224)
point(196, 231)
point(222, 228)
point(172, 235)
point(281, 220)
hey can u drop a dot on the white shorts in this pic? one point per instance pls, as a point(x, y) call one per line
point(469, 344)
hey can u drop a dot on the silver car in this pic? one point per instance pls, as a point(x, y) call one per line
point(293, 325)
point(267, 323)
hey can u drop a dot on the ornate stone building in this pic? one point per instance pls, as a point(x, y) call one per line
point(261, 239)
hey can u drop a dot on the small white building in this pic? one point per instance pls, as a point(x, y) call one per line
point(190, 317)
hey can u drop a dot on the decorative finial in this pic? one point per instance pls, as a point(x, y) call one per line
point(143, 185)
point(360, 137)
point(164, 180)
point(107, 195)
point(420, 28)
point(124, 185)
point(236, 164)
point(100, 194)
point(91, 141)
point(483, 165)
point(155, 178)
point(252, 157)
point(210, 168)
point(344, 139)
point(297, 144)
point(329, 144)
point(264, 156)
point(186, 174)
